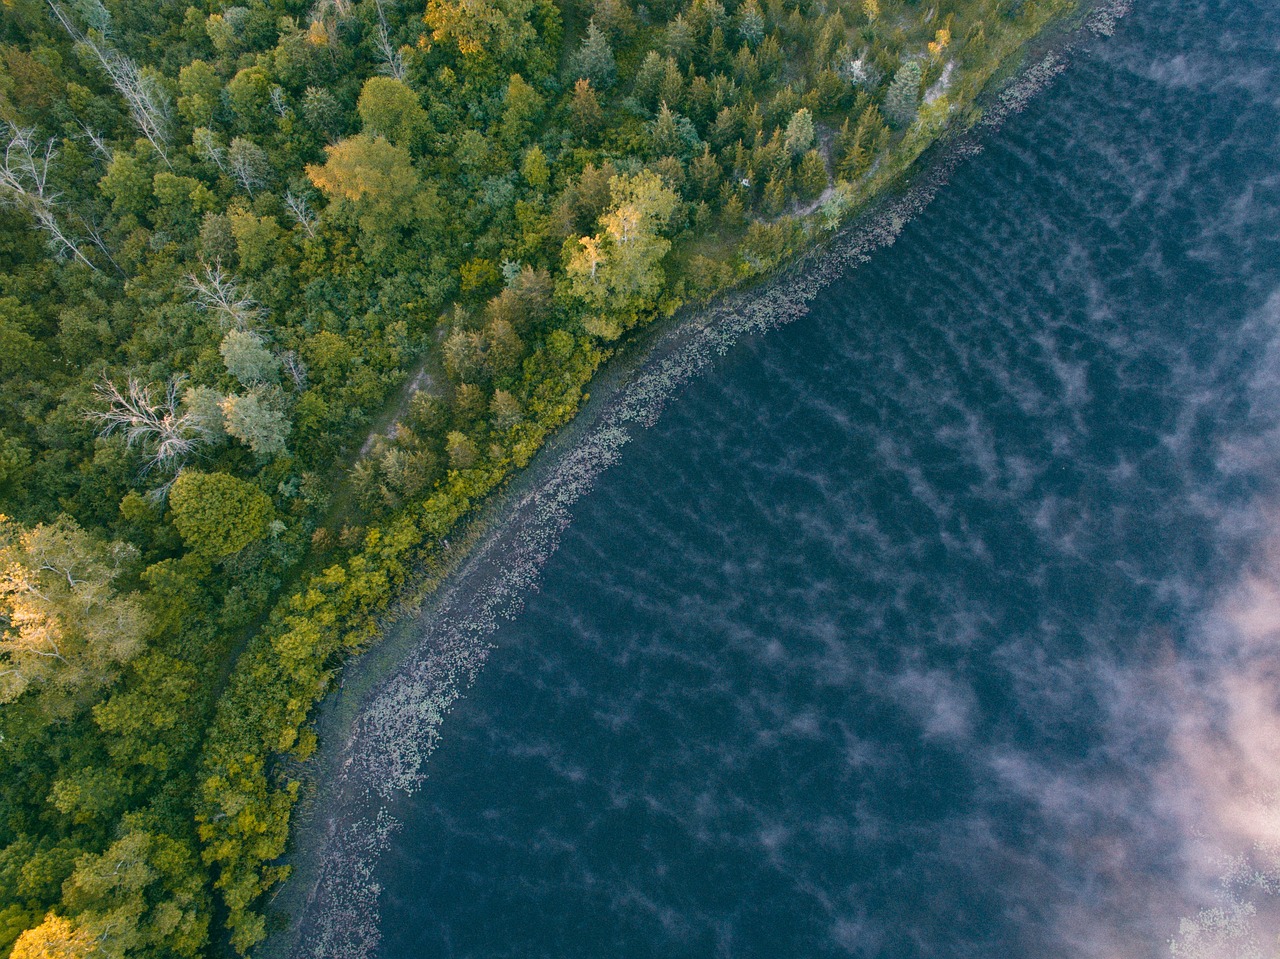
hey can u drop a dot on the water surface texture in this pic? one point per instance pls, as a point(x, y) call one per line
point(941, 621)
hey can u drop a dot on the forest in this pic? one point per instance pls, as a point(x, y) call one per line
point(286, 289)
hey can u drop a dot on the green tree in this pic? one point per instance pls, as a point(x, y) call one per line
point(201, 92)
point(594, 59)
point(89, 793)
point(128, 184)
point(503, 348)
point(856, 147)
point(249, 96)
point(705, 173)
point(376, 180)
point(617, 273)
point(522, 106)
point(535, 169)
point(585, 115)
point(182, 199)
point(679, 39)
point(218, 514)
point(322, 112)
point(505, 410)
point(674, 135)
point(389, 108)
point(750, 23)
point(811, 178)
point(21, 354)
point(800, 135)
point(903, 99)
point(462, 451)
point(248, 359)
point(142, 896)
point(502, 30)
point(146, 722)
point(648, 77)
point(615, 17)
point(257, 239)
point(255, 419)
point(204, 404)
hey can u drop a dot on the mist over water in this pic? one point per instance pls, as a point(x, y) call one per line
point(944, 621)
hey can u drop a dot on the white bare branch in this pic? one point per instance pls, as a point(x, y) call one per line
point(301, 211)
point(95, 236)
point(323, 8)
point(278, 103)
point(248, 164)
point(146, 99)
point(392, 61)
point(161, 427)
point(24, 183)
point(26, 164)
point(218, 292)
point(100, 146)
point(296, 368)
point(209, 148)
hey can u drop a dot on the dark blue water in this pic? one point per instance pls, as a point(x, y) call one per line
point(937, 623)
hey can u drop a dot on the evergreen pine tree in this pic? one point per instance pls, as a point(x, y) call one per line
point(800, 134)
point(750, 23)
point(594, 59)
point(903, 99)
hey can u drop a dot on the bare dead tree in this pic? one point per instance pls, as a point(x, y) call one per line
point(295, 367)
point(208, 148)
point(301, 211)
point(392, 61)
point(94, 231)
point(322, 23)
point(278, 102)
point(248, 164)
point(100, 146)
point(24, 183)
point(218, 292)
point(324, 8)
point(160, 426)
point(146, 99)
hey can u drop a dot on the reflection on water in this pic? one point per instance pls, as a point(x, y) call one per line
point(943, 622)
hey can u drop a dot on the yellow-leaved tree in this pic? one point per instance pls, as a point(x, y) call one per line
point(375, 181)
point(63, 627)
point(56, 938)
point(617, 274)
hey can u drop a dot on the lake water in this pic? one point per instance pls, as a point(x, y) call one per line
point(941, 622)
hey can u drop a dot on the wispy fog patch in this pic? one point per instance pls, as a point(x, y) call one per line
point(1223, 779)
point(943, 704)
point(1170, 839)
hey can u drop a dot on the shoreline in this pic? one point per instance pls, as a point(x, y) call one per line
point(381, 724)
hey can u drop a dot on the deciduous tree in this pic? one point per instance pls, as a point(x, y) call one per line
point(377, 181)
point(256, 419)
point(218, 514)
point(248, 359)
point(62, 623)
point(389, 108)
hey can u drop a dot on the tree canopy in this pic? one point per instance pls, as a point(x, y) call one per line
point(218, 514)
